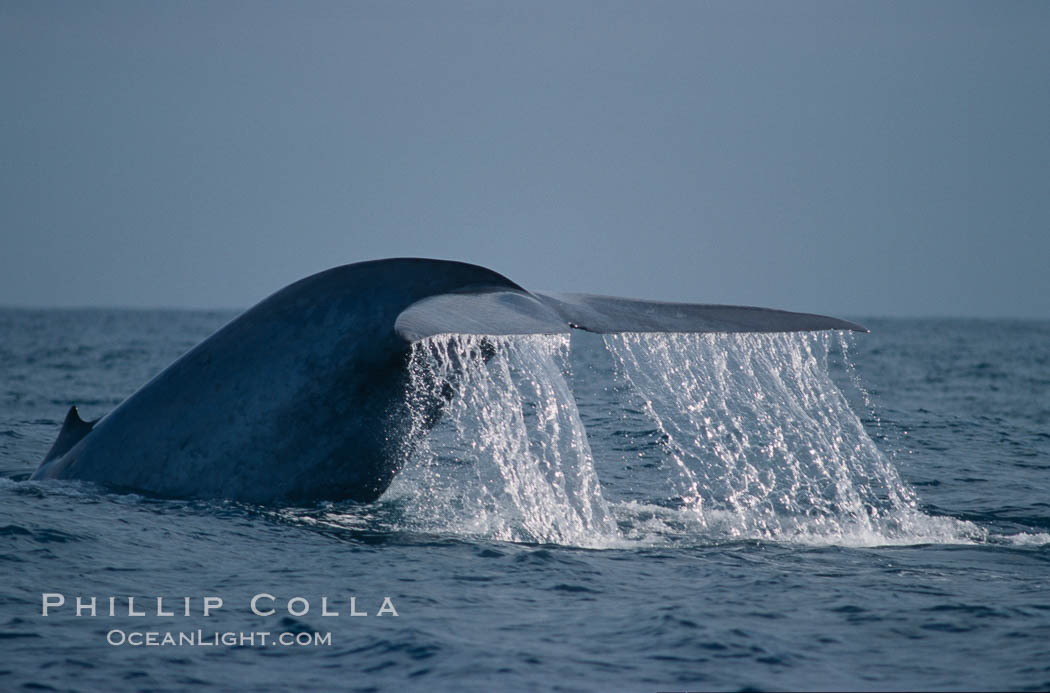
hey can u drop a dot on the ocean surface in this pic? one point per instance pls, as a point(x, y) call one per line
point(633, 512)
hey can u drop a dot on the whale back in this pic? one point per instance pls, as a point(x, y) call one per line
point(299, 398)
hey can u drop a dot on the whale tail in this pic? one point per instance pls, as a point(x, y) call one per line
point(328, 357)
point(501, 310)
point(610, 314)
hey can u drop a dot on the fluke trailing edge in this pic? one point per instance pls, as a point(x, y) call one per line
point(305, 396)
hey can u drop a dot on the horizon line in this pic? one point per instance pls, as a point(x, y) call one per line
point(241, 309)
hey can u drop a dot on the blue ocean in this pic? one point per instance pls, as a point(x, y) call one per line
point(639, 512)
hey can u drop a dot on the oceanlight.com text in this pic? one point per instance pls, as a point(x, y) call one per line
point(199, 638)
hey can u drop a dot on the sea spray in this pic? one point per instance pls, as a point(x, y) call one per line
point(498, 446)
point(761, 443)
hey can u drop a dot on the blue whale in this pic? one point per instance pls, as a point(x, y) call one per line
point(304, 397)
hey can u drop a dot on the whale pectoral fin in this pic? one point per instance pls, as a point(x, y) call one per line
point(73, 431)
point(483, 312)
point(609, 314)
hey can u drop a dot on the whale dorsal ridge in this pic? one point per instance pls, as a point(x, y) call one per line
point(73, 431)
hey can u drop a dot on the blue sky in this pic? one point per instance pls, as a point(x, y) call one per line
point(857, 159)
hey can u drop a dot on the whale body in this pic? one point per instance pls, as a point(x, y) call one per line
point(304, 397)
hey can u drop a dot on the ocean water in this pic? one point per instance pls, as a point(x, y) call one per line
point(633, 512)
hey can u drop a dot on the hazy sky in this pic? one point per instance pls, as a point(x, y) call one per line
point(849, 158)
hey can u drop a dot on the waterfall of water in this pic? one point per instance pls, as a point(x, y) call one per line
point(761, 443)
point(509, 457)
point(757, 442)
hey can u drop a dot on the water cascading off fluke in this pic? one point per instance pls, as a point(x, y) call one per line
point(509, 457)
point(761, 443)
point(756, 442)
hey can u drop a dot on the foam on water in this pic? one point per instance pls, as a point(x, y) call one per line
point(762, 444)
point(509, 459)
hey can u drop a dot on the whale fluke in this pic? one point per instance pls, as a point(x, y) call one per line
point(496, 312)
point(305, 396)
point(608, 314)
point(503, 312)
